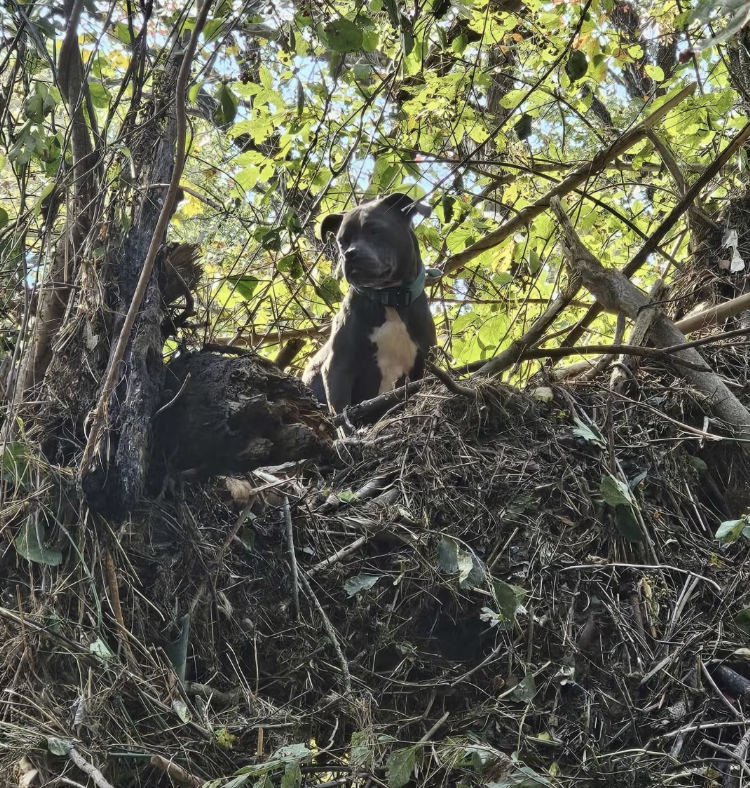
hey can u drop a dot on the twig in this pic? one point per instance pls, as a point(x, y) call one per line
point(575, 179)
point(329, 628)
point(358, 412)
point(448, 382)
point(339, 555)
point(655, 567)
point(733, 754)
point(100, 413)
point(89, 769)
point(630, 350)
point(292, 556)
point(719, 694)
point(176, 772)
point(175, 398)
point(434, 729)
point(114, 594)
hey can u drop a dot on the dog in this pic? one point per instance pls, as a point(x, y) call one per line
point(384, 329)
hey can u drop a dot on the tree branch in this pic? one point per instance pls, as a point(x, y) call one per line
point(653, 242)
point(617, 294)
point(575, 179)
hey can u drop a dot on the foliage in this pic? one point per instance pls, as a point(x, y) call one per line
point(300, 110)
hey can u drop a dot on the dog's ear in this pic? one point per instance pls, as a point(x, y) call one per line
point(408, 207)
point(330, 224)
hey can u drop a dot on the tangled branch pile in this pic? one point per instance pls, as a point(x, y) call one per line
point(487, 590)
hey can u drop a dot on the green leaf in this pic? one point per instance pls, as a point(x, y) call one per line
point(348, 496)
point(292, 777)
point(265, 78)
point(15, 465)
point(30, 544)
point(627, 523)
point(448, 202)
point(212, 29)
point(224, 738)
point(577, 65)
point(3, 217)
point(361, 752)
point(512, 99)
point(615, 492)
point(342, 35)
point(525, 690)
point(291, 752)
point(228, 104)
point(730, 530)
point(122, 33)
point(359, 583)
point(59, 746)
point(329, 289)
point(100, 97)
point(100, 649)
point(407, 43)
point(244, 285)
point(459, 44)
point(391, 6)
point(33, 108)
point(656, 73)
point(588, 434)
point(194, 92)
point(508, 598)
point(447, 555)
point(289, 264)
point(401, 764)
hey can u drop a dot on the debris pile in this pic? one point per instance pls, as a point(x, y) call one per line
point(499, 589)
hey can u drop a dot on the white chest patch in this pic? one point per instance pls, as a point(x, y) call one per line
point(395, 350)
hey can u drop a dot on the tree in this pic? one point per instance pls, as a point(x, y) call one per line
point(163, 172)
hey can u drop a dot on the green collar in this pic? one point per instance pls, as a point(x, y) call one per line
point(401, 296)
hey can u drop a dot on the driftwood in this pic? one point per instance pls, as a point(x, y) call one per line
point(615, 293)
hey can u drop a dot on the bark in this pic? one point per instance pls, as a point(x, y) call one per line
point(115, 482)
point(224, 415)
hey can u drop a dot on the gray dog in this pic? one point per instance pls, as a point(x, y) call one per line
point(384, 328)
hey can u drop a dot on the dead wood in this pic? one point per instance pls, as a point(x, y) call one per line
point(652, 244)
point(628, 364)
point(615, 293)
point(236, 414)
point(115, 459)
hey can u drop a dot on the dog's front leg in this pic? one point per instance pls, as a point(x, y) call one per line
point(339, 384)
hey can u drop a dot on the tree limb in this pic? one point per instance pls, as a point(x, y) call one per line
point(653, 242)
point(572, 181)
point(617, 294)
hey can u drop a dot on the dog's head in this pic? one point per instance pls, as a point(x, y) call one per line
point(377, 244)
